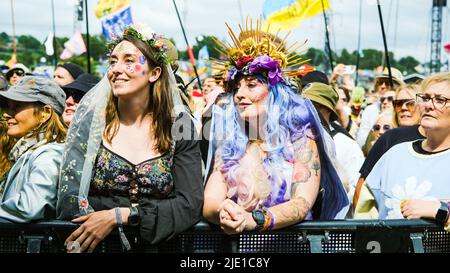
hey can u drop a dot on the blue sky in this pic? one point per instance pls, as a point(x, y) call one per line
point(208, 17)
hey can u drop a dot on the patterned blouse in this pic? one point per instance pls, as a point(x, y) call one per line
point(114, 175)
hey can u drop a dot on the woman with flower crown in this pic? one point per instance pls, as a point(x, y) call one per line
point(131, 158)
point(269, 157)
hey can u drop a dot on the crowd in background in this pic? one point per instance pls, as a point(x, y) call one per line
point(103, 152)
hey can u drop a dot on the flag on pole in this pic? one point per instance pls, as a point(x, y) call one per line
point(48, 43)
point(447, 48)
point(114, 16)
point(106, 7)
point(288, 14)
point(74, 47)
point(203, 57)
point(12, 61)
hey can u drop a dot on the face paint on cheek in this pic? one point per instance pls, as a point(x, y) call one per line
point(137, 68)
point(141, 59)
point(129, 69)
point(144, 72)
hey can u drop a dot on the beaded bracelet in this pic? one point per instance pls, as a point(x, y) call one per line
point(268, 223)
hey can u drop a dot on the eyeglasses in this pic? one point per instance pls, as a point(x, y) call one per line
point(389, 99)
point(439, 102)
point(409, 103)
point(75, 94)
point(377, 127)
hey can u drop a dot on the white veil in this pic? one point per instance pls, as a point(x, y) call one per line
point(82, 144)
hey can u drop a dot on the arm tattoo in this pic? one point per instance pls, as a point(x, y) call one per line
point(294, 211)
point(307, 162)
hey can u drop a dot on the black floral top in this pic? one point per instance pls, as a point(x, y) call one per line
point(117, 176)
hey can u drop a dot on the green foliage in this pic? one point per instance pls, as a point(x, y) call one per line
point(30, 50)
point(369, 59)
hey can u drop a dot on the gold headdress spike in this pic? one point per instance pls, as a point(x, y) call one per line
point(255, 51)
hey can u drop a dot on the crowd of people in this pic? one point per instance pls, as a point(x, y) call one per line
point(261, 144)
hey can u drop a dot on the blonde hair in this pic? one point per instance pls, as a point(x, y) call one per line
point(160, 103)
point(6, 144)
point(412, 90)
point(435, 78)
point(53, 128)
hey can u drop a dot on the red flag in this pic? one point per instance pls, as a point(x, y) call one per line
point(447, 48)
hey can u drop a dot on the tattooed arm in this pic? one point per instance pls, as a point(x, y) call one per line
point(304, 189)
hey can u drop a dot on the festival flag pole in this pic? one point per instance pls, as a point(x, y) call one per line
point(330, 54)
point(55, 58)
point(191, 55)
point(386, 52)
point(358, 55)
point(87, 38)
point(13, 28)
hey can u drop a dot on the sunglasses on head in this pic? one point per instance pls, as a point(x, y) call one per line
point(377, 127)
point(75, 94)
point(389, 99)
point(409, 103)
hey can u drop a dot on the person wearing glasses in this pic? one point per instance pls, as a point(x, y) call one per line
point(75, 92)
point(386, 100)
point(383, 89)
point(382, 124)
point(410, 181)
point(406, 128)
point(17, 72)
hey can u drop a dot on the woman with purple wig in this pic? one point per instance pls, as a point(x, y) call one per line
point(269, 158)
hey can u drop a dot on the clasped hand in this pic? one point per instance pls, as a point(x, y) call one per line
point(233, 219)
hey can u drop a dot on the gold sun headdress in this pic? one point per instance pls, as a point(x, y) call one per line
point(259, 52)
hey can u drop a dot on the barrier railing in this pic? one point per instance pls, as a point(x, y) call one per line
point(339, 236)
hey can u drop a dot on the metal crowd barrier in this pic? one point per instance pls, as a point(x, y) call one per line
point(339, 236)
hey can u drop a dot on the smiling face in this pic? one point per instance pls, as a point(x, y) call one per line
point(251, 98)
point(432, 117)
point(69, 110)
point(129, 72)
point(21, 118)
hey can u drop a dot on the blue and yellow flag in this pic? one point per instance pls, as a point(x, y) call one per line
point(287, 14)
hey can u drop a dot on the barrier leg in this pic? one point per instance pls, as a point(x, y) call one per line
point(417, 241)
point(34, 243)
point(315, 242)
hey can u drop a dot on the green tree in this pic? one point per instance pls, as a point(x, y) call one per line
point(408, 65)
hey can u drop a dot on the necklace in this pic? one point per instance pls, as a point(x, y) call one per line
point(260, 144)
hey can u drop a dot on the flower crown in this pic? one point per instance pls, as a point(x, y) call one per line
point(147, 35)
point(258, 52)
